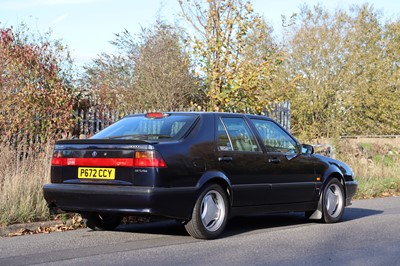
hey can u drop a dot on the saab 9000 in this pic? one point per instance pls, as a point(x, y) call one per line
point(198, 168)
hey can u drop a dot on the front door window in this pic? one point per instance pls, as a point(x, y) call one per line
point(275, 138)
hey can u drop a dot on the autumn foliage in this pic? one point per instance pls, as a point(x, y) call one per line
point(36, 95)
point(340, 71)
point(235, 55)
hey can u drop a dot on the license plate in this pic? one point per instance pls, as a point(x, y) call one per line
point(96, 173)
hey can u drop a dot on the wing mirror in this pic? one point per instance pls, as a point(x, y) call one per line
point(307, 149)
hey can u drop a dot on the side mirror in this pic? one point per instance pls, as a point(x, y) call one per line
point(307, 149)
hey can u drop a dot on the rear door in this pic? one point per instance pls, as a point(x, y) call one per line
point(241, 159)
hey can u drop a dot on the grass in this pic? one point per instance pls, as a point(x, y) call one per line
point(22, 176)
point(375, 163)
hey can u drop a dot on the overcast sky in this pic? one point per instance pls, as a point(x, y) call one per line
point(87, 26)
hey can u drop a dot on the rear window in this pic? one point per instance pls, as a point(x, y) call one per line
point(149, 127)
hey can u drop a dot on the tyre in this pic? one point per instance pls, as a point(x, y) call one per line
point(210, 213)
point(101, 222)
point(333, 201)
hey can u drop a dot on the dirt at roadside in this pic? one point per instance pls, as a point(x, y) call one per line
point(72, 223)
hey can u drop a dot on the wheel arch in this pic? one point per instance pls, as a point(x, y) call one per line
point(216, 177)
point(332, 172)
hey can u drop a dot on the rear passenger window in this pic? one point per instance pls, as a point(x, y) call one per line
point(235, 135)
point(223, 142)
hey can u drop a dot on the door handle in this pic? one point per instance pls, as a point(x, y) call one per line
point(225, 159)
point(274, 160)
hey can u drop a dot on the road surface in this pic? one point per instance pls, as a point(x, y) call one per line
point(368, 235)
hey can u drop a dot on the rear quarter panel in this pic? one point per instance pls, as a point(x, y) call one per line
point(188, 159)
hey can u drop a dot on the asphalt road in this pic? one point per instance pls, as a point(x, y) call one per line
point(368, 235)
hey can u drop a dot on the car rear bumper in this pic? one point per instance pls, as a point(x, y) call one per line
point(351, 189)
point(168, 202)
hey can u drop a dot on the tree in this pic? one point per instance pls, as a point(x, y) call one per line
point(36, 83)
point(108, 76)
point(316, 57)
point(236, 77)
point(345, 64)
point(163, 75)
point(150, 73)
point(373, 74)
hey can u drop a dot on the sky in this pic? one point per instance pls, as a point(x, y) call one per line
point(87, 26)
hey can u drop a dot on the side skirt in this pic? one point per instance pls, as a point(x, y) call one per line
point(263, 209)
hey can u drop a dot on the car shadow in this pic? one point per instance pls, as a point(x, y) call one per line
point(358, 213)
point(239, 225)
point(159, 227)
point(243, 224)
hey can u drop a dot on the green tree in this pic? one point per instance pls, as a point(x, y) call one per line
point(316, 57)
point(372, 74)
point(345, 64)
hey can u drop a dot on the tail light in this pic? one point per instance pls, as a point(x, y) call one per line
point(57, 159)
point(142, 159)
point(149, 159)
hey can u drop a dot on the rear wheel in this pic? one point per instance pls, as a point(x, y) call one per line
point(101, 221)
point(210, 214)
point(333, 201)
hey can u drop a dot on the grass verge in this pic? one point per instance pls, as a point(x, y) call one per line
point(375, 163)
point(22, 175)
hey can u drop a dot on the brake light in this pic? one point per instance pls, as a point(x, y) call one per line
point(149, 159)
point(156, 115)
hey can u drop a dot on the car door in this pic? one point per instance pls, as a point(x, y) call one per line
point(241, 159)
point(290, 173)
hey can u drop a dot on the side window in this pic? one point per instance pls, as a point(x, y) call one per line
point(234, 134)
point(274, 138)
point(223, 142)
point(176, 127)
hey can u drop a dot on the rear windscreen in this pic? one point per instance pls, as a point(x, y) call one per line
point(170, 126)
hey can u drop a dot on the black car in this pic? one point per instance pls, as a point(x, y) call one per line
point(197, 168)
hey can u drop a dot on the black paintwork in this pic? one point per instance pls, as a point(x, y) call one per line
point(256, 182)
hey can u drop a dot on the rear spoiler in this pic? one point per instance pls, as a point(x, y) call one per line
point(103, 141)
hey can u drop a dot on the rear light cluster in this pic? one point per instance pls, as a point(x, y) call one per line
point(142, 159)
point(148, 159)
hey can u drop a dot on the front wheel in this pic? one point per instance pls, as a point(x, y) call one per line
point(210, 213)
point(333, 201)
point(101, 222)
